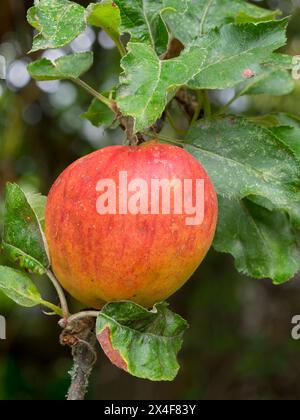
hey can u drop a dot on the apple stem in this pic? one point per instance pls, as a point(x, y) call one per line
point(61, 295)
point(81, 315)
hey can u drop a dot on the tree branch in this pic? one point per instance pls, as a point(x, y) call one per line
point(80, 336)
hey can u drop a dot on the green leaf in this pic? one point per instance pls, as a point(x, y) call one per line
point(264, 16)
point(33, 19)
point(271, 77)
point(257, 178)
point(271, 82)
point(105, 15)
point(23, 239)
point(66, 67)
point(233, 50)
point(280, 61)
point(287, 130)
point(38, 203)
point(266, 121)
point(193, 18)
point(58, 22)
point(262, 242)
point(245, 159)
point(142, 19)
point(147, 81)
point(99, 114)
point(144, 343)
point(19, 287)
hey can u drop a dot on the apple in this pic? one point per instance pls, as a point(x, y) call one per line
point(130, 223)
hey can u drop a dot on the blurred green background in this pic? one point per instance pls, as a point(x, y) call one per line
point(239, 345)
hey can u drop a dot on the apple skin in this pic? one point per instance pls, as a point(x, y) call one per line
point(142, 258)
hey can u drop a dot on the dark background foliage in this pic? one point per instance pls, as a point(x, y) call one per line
point(239, 345)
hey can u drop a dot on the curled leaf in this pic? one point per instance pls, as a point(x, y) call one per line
point(141, 342)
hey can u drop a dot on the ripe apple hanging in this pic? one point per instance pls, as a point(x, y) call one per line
point(109, 241)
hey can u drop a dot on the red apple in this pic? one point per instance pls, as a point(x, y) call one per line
point(140, 257)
